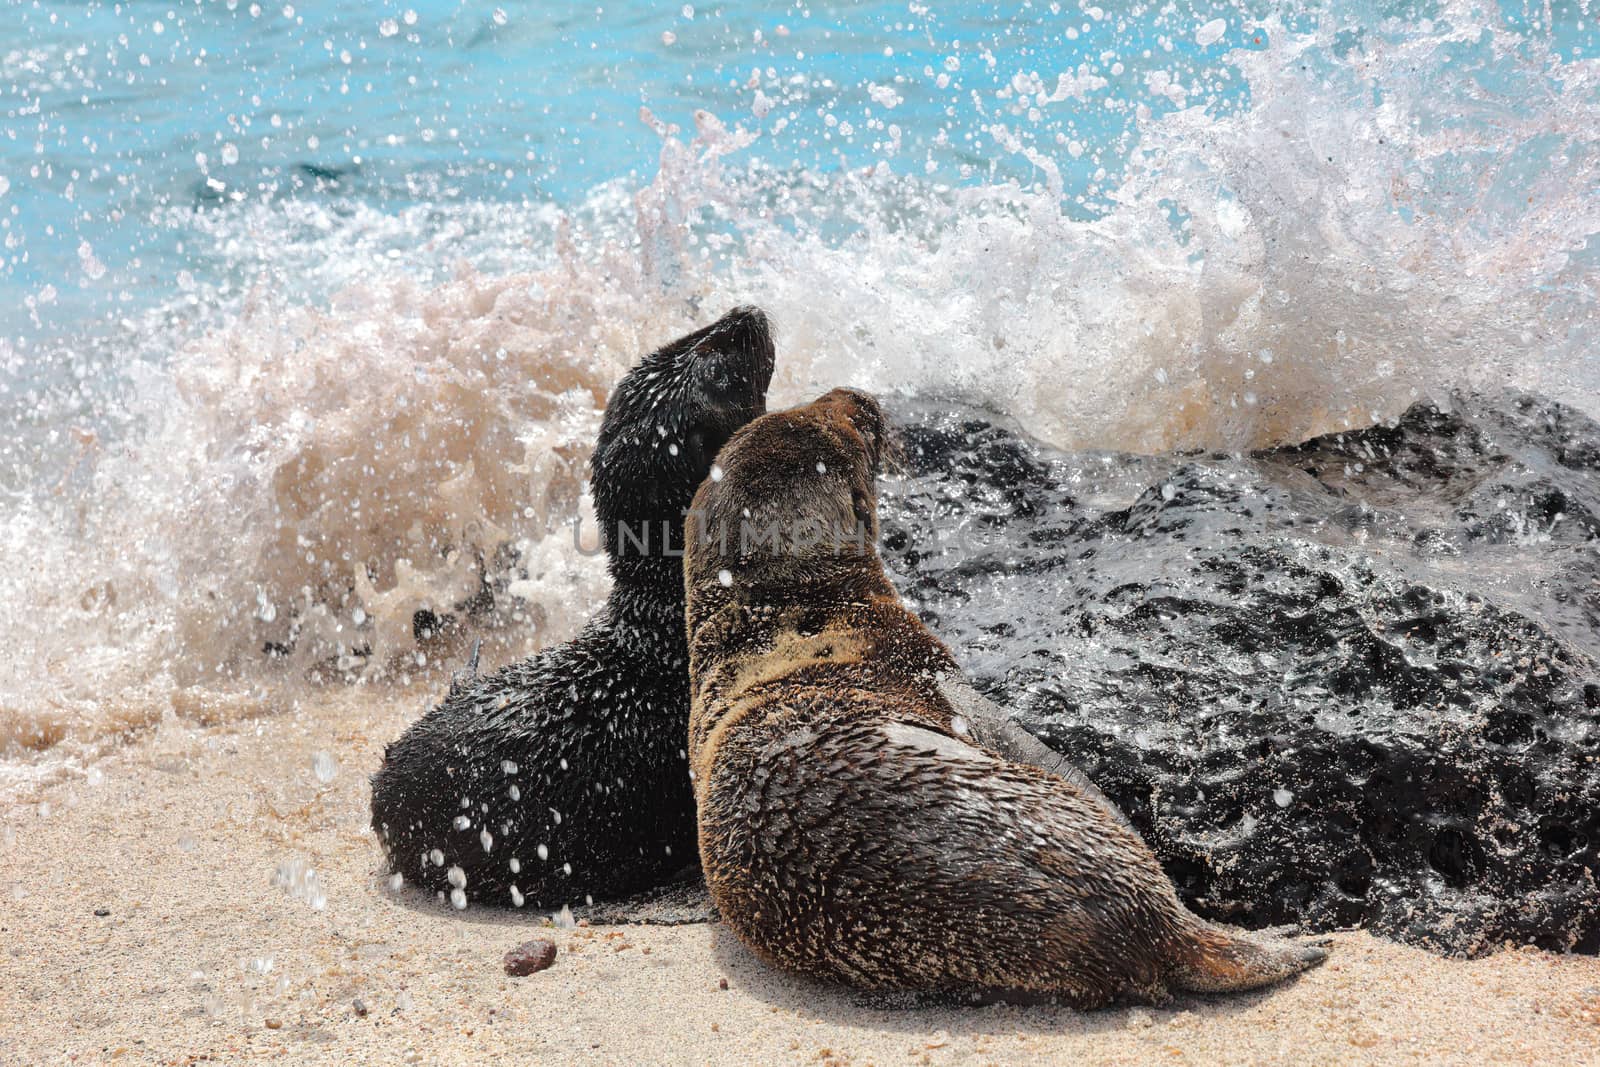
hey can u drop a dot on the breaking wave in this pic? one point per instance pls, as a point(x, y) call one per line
point(253, 489)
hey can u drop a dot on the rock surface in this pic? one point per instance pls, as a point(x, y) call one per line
point(1355, 681)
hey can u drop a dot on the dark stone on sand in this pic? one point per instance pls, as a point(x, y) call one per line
point(1355, 681)
point(102, 912)
point(530, 957)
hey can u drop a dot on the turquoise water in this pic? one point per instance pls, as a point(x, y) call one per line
point(123, 117)
point(305, 304)
point(128, 115)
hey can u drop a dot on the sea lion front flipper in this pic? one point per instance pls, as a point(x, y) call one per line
point(989, 725)
point(684, 902)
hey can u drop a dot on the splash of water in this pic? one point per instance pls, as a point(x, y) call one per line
point(290, 490)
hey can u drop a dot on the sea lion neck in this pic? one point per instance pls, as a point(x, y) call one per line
point(757, 603)
point(646, 607)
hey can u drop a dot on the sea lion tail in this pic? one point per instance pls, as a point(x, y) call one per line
point(1216, 959)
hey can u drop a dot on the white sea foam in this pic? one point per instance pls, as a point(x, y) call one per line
point(286, 490)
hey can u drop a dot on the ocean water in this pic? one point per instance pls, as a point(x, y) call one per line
point(307, 311)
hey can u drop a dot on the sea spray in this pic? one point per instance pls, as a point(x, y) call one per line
point(251, 491)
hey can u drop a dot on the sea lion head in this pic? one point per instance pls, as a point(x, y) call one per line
point(665, 421)
point(792, 495)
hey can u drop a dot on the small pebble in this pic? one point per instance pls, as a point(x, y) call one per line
point(722, 983)
point(102, 912)
point(274, 1024)
point(530, 957)
point(359, 1007)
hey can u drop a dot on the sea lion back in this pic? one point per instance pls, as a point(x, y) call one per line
point(852, 825)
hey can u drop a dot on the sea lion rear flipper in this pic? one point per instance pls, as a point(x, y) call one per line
point(1216, 959)
point(468, 674)
point(989, 725)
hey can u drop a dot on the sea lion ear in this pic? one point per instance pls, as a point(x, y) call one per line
point(866, 511)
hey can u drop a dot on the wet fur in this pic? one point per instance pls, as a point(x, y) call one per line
point(850, 825)
point(580, 749)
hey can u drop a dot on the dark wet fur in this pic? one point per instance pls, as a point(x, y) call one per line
point(613, 703)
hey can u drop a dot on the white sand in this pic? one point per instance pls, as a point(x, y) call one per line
point(180, 833)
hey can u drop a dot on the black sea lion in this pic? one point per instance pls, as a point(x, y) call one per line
point(852, 827)
point(563, 776)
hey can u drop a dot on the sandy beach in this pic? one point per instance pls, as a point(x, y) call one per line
point(246, 914)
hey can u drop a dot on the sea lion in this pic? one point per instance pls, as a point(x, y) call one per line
point(859, 820)
point(562, 776)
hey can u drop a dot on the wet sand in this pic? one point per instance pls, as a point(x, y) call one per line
point(218, 946)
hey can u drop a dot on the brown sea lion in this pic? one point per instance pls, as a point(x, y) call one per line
point(862, 815)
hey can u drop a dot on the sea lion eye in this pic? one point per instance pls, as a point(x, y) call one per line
point(717, 385)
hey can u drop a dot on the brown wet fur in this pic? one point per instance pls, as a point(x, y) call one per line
point(849, 829)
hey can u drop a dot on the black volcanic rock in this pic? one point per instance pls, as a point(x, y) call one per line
point(1353, 681)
